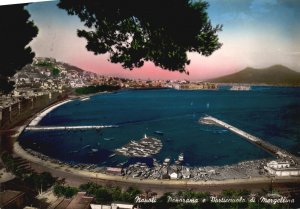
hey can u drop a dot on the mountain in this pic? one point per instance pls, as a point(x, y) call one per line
point(274, 75)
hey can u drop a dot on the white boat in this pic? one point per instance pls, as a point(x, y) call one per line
point(167, 160)
point(112, 155)
point(181, 157)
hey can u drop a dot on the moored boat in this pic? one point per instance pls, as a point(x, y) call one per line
point(159, 132)
point(181, 157)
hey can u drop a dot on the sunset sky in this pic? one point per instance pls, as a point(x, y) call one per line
point(256, 33)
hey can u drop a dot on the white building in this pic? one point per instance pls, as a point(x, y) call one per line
point(280, 168)
point(278, 164)
point(174, 175)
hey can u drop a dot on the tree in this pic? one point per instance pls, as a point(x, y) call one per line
point(55, 71)
point(16, 32)
point(66, 191)
point(135, 31)
point(103, 196)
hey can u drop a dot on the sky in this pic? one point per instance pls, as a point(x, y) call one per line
point(256, 33)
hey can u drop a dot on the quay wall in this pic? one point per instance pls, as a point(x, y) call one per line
point(47, 128)
point(26, 107)
point(276, 151)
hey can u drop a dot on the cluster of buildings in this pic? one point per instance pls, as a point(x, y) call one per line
point(47, 75)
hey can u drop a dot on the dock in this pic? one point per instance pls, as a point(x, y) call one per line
point(274, 150)
point(50, 128)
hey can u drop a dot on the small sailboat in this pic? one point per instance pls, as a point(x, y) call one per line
point(86, 146)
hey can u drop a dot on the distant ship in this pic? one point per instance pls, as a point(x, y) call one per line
point(240, 88)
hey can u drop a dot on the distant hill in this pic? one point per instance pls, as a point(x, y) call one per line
point(274, 75)
point(52, 62)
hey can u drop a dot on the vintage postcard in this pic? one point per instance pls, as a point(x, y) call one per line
point(161, 104)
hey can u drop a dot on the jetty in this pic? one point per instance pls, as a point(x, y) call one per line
point(274, 150)
point(50, 128)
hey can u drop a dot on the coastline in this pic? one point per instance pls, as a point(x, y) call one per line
point(86, 176)
point(76, 176)
point(42, 114)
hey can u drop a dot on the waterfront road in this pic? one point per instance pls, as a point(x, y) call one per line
point(75, 177)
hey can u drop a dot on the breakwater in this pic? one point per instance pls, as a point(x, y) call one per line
point(49, 128)
point(274, 150)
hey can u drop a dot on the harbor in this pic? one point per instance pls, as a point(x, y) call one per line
point(177, 169)
point(161, 170)
point(274, 150)
point(131, 159)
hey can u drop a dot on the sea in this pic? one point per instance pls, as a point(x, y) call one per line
point(271, 113)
